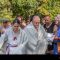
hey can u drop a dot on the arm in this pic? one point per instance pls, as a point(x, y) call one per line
point(25, 39)
point(22, 46)
point(3, 38)
point(42, 43)
point(56, 38)
point(55, 29)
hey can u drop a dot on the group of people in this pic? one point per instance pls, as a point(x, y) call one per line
point(32, 37)
point(52, 28)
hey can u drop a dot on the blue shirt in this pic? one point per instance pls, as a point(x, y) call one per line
point(58, 32)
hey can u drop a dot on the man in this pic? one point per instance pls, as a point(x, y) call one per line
point(37, 43)
point(49, 27)
point(48, 24)
point(5, 26)
point(3, 29)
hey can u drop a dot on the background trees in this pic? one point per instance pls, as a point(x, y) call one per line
point(10, 8)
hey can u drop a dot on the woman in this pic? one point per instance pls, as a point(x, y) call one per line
point(15, 39)
point(57, 35)
point(57, 18)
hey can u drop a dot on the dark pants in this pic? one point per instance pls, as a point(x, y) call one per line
point(50, 49)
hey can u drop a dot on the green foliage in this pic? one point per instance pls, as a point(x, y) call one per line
point(23, 7)
point(5, 11)
point(10, 8)
point(50, 7)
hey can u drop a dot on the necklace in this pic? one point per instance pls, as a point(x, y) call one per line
point(47, 26)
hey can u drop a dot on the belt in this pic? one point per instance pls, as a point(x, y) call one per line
point(9, 45)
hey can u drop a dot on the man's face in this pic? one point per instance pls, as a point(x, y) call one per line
point(36, 21)
point(47, 19)
point(5, 24)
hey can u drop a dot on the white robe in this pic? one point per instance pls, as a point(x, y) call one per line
point(38, 42)
point(9, 42)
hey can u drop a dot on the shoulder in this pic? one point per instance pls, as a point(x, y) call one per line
point(22, 31)
point(42, 27)
point(28, 27)
point(8, 31)
point(53, 24)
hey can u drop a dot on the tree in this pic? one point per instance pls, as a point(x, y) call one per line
point(5, 11)
point(11, 8)
point(23, 7)
point(51, 7)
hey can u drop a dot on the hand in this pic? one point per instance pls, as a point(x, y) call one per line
point(56, 38)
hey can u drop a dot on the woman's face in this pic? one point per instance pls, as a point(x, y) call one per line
point(16, 27)
point(56, 22)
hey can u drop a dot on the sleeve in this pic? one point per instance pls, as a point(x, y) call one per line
point(44, 33)
point(43, 45)
point(45, 42)
point(3, 38)
point(22, 46)
point(58, 33)
point(25, 39)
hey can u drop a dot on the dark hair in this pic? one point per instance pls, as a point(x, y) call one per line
point(45, 16)
point(31, 17)
point(16, 21)
point(5, 21)
point(19, 16)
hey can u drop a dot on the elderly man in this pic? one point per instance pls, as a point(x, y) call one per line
point(49, 27)
point(37, 43)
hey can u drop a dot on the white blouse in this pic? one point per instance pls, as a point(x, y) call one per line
point(15, 42)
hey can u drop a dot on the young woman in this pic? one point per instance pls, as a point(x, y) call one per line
point(15, 39)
